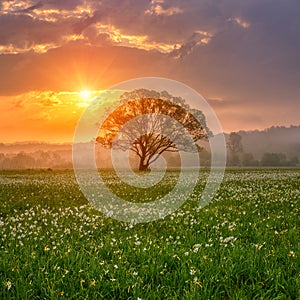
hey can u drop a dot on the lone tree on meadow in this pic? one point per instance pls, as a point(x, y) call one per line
point(152, 126)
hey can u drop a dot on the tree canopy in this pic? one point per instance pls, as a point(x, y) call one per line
point(146, 122)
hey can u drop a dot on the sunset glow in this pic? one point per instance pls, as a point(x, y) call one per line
point(44, 116)
point(55, 57)
point(149, 149)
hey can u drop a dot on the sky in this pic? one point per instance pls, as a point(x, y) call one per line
point(243, 56)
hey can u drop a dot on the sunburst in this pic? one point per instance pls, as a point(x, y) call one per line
point(85, 94)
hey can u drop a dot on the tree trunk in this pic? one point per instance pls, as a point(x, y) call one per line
point(143, 166)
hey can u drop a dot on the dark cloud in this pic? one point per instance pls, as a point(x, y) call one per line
point(186, 48)
point(63, 4)
point(31, 8)
point(97, 39)
point(25, 31)
point(127, 15)
point(86, 21)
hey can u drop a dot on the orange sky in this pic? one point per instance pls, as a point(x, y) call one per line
point(243, 57)
point(42, 116)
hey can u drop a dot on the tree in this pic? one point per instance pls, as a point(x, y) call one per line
point(278, 159)
point(273, 159)
point(235, 148)
point(249, 160)
point(294, 161)
point(22, 161)
point(152, 130)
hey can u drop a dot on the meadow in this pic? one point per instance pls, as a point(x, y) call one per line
point(244, 245)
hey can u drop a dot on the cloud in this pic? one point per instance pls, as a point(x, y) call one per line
point(197, 39)
point(39, 116)
point(70, 5)
point(240, 22)
point(86, 22)
point(156, 8)
point(31, 8)
point(10, 7)
point(97, 38)
point(23, 31)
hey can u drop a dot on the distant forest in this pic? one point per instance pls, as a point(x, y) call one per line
point(275, 146)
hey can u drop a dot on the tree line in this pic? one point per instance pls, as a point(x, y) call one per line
point(35, 160)
point(237, 156)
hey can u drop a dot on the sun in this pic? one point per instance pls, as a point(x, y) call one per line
point(85, 94)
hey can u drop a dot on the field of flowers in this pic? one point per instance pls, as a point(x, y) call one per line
point(244, 245)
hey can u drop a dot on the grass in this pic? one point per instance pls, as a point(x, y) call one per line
point(244, 245)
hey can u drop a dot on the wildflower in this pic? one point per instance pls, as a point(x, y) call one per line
point(192, 271)
point(291, 253)
point(258, 246)
point(8, 284)
point(197, 282)
point(229, 239)
point(93, 283)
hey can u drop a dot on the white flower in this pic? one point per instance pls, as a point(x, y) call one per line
point(229, 239)
point(291, 253)
point(192, 271)
point(8, 284)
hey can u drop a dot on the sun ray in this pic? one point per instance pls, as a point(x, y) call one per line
point(85, 94)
